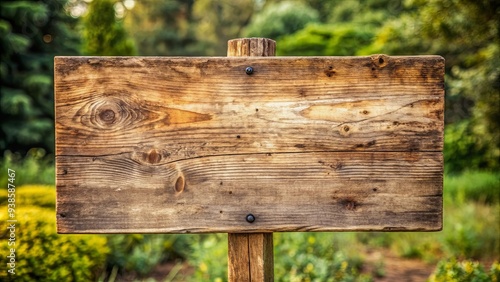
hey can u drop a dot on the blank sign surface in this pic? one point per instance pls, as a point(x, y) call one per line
point(195, 145)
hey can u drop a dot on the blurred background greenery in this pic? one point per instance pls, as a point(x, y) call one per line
point(465, 32)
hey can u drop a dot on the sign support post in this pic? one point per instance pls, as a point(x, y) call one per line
point(250, 255)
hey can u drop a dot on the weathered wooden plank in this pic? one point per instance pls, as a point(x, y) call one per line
point(175, 145)
point(322, 191)
point(185, 108)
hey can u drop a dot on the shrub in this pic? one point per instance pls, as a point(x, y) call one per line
point(43, 255)
point(138, 254)
point(314, 257)
point(33, 195)
point(35, 168)
point(466, 271)
point(482, 187)
point(280, 19)
point(471, 231)
point(209, 257)
point(467, 148)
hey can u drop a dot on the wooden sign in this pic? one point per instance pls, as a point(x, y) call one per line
point(195, 145)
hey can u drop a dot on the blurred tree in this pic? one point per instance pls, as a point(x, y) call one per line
point(103, 33)
point(350, 27)
point(32, 33)
point(325, 40)
point(279, 19)
point(164, 28)
point(364, 13)
point(219, 21)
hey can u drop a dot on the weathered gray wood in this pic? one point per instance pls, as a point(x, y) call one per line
point(195, 144)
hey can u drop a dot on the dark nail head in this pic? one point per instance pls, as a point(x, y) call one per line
point(249, 70)
point(250, 218)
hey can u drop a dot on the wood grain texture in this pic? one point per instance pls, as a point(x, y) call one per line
point(330, 191)
point(251, 47)
point(238, 257)
point(261, 257)
point(178, 145)
point(250, 257)
point(186, 108)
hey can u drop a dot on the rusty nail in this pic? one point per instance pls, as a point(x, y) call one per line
point(249, 70)
point(250, 218)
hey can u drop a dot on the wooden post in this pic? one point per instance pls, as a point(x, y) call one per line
point(250, 256)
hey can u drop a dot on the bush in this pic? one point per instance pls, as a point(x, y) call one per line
point(138, 254)
point(279, 19)
point(209, 257)
point(315, 257)
point(471, 231)
point(466, 271)
point(482, 187)
point(35, 168)
point(41, 253)
point(324, 40)
point(466, 149)
point(33, 195)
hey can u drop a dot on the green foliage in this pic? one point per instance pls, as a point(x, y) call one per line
point(33, 195)
point(464, 271)
point(218, 21)
point(479, 82)
point(324, 40)
point(34, 168)
point(32, 33)
point(364, 13)
point(466, 149)
point(280, 19)
point(477, 186)
point(471, 231)
point(314, 257)
point(42, 254)
point(139, 253)
point(164, 29)
point(209, 257)
point(103, 35)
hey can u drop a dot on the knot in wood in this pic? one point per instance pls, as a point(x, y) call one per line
point(179, 184)
point(380, 60)
point(345, 130)
point(108, 112)
point(153, 157)
point(107, 116)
